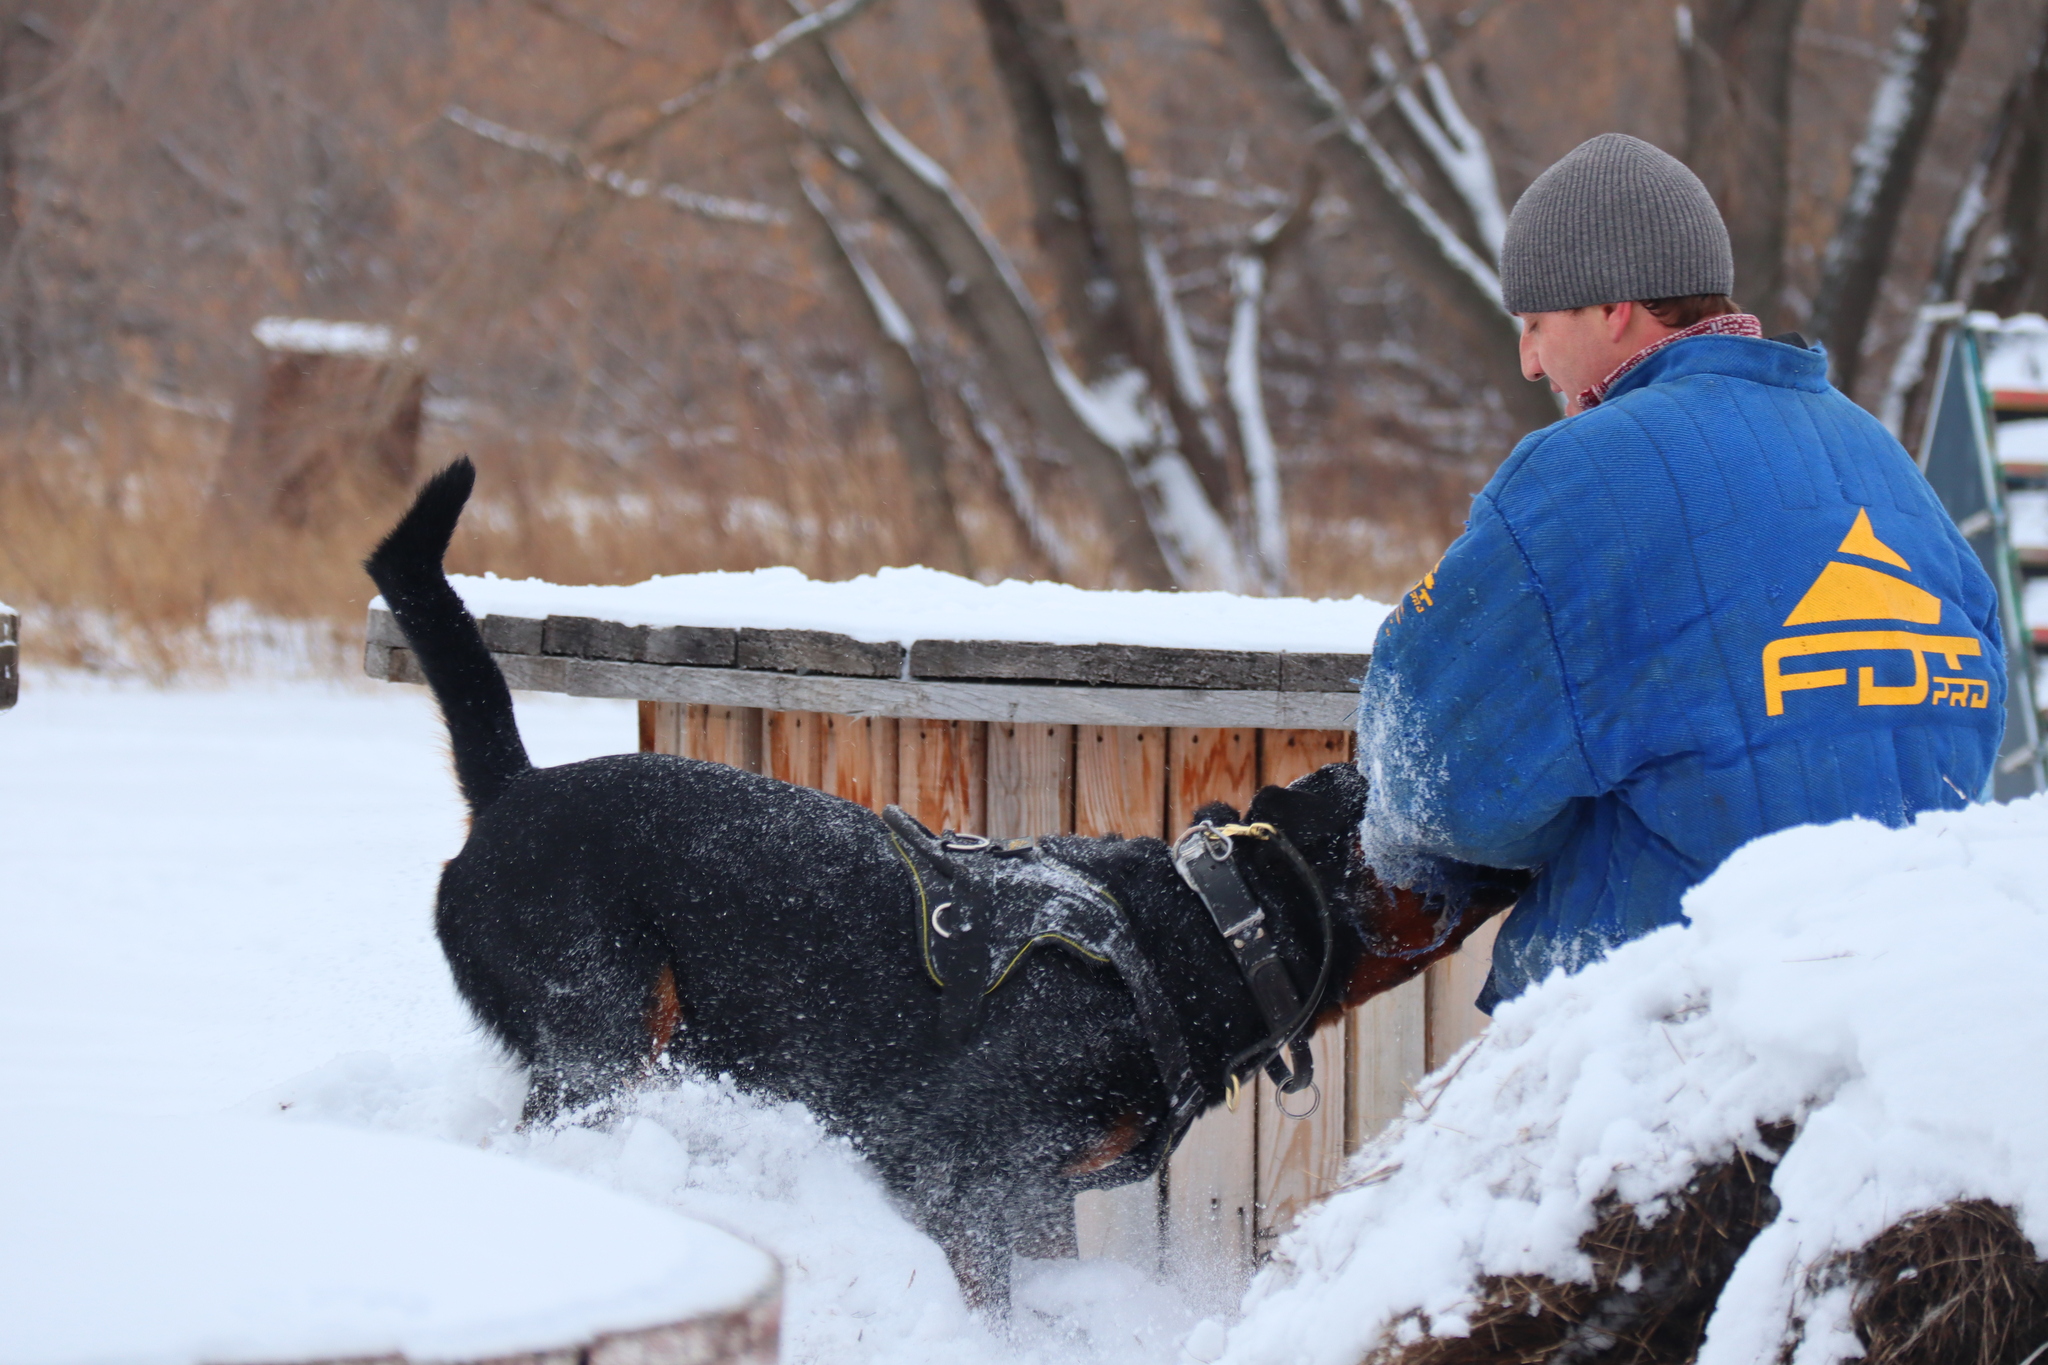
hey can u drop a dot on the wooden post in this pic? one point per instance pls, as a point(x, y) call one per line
point(1454, 983)
point(10, 657)
point(1030, 779)
point(794, 745)
point(860, 758)
point(1300, 1160)
point(1120, 788)
point(1211, 1182)
point(942, 772)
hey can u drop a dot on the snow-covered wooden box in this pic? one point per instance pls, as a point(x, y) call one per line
point(246, 1238)
point(1014, 709)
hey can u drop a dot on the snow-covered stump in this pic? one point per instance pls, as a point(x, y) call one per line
point(1018, 709)
point(184, 1242)
point(333, 420)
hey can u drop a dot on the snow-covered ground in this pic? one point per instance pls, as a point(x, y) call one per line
point(220, 900)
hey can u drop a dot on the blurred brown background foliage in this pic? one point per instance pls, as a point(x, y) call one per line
point(666, 333)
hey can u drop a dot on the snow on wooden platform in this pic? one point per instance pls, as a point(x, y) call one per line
point(203, 1241)
point(919, 643)
point(903, 605)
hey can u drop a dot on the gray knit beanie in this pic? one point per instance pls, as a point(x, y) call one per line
point(1614, 221)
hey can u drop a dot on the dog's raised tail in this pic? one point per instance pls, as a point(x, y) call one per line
point(475, 703)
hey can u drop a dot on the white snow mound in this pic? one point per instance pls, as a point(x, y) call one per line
point(246, 1239)
point(1882, 988)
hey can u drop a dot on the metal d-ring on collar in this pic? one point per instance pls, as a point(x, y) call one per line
point(1204, 857)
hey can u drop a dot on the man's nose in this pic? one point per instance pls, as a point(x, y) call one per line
point(1532, 368)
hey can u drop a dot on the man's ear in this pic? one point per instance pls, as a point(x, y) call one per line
point(1617, 317)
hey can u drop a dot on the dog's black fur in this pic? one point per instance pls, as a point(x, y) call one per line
point(608, 914)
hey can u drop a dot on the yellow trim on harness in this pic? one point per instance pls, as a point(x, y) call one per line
point(924, 915)
point(1261, 830)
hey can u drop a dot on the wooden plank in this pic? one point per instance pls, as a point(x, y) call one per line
point(1030, 779)
point(818, 651)
point(511, 634)
point(1287, 755)
point(10, 658)
point(942, 773)
point(1454, 983)
point(1389, 1057)
point(794, 747)
point(661, 727)
point(1210, 1195)
point(1207, 764)
point(1323, 672)
point(1300, 1160)
point(1114, 665)
point(908, 699)
point(585, 637)
point(1211, 1183)
point(859, 759)
point(1120, 1224)
point(1120, 780)
point(724, 734)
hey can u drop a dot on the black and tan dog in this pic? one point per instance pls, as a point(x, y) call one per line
point(607, 915)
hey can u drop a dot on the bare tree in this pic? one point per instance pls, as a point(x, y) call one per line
point(1460, 280)
point(1738, 64)
point(1924, 48)
point(1992, 253)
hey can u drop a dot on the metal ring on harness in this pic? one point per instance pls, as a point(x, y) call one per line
point(941, 930)
point(1315, 1102)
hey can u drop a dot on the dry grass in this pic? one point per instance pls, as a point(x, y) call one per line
point(1960, 1285)
point(113, 544)
point(1653, 1287)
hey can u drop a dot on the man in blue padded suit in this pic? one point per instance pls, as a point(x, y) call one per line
point(1715, 600)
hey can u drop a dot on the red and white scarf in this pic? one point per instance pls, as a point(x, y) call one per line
point(1727, 325)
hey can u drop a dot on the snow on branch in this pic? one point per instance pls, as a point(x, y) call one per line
point(809, 27)
point(1395, 180)
point(568, 159)
point(1250, 271)
point(1453, 140)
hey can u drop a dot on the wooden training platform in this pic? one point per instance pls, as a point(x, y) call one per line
point(1012, 738)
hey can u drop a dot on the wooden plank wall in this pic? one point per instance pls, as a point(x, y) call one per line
point(1240, 1177)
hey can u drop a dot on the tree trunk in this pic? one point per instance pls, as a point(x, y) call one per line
point(886, 338)
point(1924, 49)
point(983, 292)
point(1059, 219)
point(2015, 278)
point(1738, 105)
point(1107, 206)
point(1457, 282)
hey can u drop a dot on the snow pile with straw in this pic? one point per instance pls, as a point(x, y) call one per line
point(1879, 988)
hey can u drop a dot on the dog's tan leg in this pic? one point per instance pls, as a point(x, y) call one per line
point(664, 1013)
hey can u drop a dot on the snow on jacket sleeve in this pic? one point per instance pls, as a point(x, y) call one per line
point(1466, 725)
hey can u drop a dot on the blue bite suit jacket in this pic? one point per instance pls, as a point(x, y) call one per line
point(1721, 603)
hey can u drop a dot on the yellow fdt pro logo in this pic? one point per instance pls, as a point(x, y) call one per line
point(1855, 592)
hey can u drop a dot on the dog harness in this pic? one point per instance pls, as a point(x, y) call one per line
point(983, 905)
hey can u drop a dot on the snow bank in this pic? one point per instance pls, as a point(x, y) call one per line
point(925, 604)
point(1880, 987)
point(861, 1283)
point(220, 1239)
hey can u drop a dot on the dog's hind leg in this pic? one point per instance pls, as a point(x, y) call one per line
point(595, 1041)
